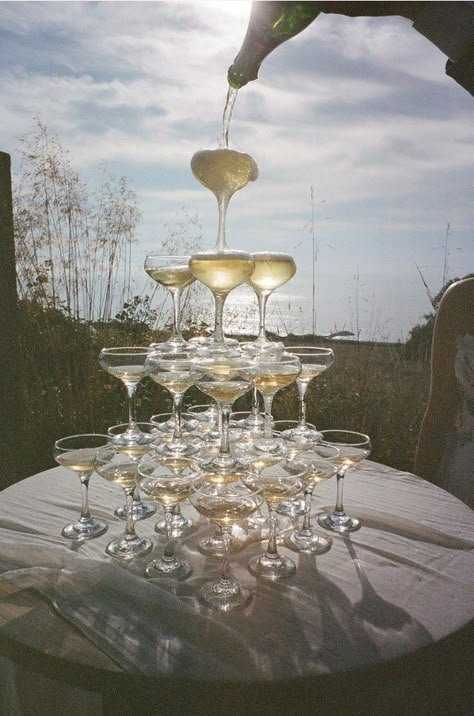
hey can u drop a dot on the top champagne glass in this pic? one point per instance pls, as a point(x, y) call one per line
point(173, 273)
point(272, 270)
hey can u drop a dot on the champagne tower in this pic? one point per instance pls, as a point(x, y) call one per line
point(270, 24)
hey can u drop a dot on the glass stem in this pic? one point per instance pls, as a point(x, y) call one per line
point(177, 399)
point(225, 573)
point(219, 299)
point(224, 446)
point(176, 296)
point(131, 393)
point(302, 393)
point(130, 523)
point(272, 551)
point(267, 402)
point(168, 553)
point(84, 478)
point(223, 203)
point(262, 306)
point(255, 405)
point(339, 509)
point(308, 496)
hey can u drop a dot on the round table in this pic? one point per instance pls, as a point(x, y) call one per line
point(382, 618)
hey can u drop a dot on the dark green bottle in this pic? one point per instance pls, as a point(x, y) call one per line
point(270, 24)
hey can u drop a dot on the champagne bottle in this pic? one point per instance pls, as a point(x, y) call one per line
point(270, 24)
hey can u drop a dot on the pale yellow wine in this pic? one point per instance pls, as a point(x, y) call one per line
point(171, 276)
point(271, 383)
point(127, 373)
point(223, 171)
point(221, 272)
point(225, 511)
point(123, 474)
point(81, 460)
point(271, 271)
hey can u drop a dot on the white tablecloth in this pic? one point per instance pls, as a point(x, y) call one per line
point(402, 582)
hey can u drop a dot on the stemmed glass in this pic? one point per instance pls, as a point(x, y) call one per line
point(272, 270)
point(353, 448)
point(168, 480)
point(319, 466)
point(77, 453)
point(221, 272)
point(225, 505)
point(273, 374)
point(141, 510)
point(224, 379)
point(173, 273)
point(173, 372)
point(277, 482)
point(127, 363)
point(314, 361)
point(116, 465)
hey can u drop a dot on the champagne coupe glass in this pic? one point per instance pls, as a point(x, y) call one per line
point(221, 272)
point(116, 465)
point(225, 505)
point(318, 467)
point(127, 363)
point(173, 273)
point(77, 453)
point(173, 372)
point(278, 482)
point(272, 270)
point(224, 379)
point(353, 448)
point(273, 374)
point(314, 361)
point(169, 481)
point(141, 510)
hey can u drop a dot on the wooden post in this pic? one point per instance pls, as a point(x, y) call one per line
point(11, 410)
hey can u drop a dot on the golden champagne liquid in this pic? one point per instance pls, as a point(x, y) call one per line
point(225, 511)
point(310, 371)
point(271, 383)
point(123, 474)
point(168, 491)
point(127, 373)
point(276, 489)
point(221, 478)
point(271, 271)
point(171, 276)
point(81, 460)
point(221, 272)
point(224, 392)
point(223, 171)
point(349, 456)
point(174, 382)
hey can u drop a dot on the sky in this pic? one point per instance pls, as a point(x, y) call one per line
point(364, 145)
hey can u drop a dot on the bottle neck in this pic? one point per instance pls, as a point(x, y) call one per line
point(270, 24)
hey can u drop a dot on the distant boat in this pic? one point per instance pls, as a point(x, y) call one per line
point(338, 334)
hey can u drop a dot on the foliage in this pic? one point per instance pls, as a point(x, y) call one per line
point(418, 345)
point(73, 246)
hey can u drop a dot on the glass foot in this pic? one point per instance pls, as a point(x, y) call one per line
point(338, 523)
point(270, 447)
point(168, 568)
point(88, 529)
point(225, 595)
point(303, 435)
point(213, 546)
point(178, 449)
point(292, 508)
point(277, 567)
point(310, 542)
point(141, 511)
point(181, 527)
point(124, 548)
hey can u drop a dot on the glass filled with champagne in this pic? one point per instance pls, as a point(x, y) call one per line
point(77, 453)
point(173, 273)
point(353, 448)
point(225, 504)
